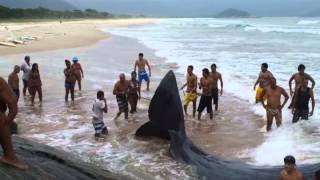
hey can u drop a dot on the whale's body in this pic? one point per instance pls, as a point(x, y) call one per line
point(167, 121)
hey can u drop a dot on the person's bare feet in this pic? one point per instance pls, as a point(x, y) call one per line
point(14, 163)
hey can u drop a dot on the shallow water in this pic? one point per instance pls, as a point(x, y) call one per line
point(237, 131)
point(238, 47)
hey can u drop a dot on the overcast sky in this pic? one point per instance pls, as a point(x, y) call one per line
point(200, 7)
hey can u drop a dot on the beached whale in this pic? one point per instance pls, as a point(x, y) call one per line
point(167, 121)
point(45, 162)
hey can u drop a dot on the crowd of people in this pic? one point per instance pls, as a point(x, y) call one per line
point(128, 92)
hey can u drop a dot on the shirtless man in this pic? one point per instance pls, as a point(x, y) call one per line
point(290, 171)
point(274, 106)
point(206, 97)
point(300, 106)
point(216, 76)
point(142, 73)
point(298, 78)
point(121, 90)
point(191, 95)
point(263, 81)
point(13, 81)
point(8, 100)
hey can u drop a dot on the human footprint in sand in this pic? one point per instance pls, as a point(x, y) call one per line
point(121, 90)
point(274, 106)
point(8, 100)
point(141, 63)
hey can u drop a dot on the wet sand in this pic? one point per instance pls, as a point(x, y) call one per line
point(68, 126)
point(52, 35)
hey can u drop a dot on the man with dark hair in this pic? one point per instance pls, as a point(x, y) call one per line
point(191, 95)
point(298, 78)
point(301, 102)
point(99, 107)
point(8, 100)
point(206, 97)
point(290, 171)
point(216, 76)
point(263, 81)
point(274, 106)
point(121, 89)
point(134, 92)
point(13, 81)
point(141, 63)
point(26, 69)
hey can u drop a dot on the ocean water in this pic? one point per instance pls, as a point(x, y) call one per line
point(238, 47)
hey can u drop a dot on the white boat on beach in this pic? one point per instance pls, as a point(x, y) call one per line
point(8, 44)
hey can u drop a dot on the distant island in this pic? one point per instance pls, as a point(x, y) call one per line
point(233, 13)
point(314, 13)
point(44, 13)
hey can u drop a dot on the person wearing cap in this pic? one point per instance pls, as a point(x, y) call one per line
point(290, 171)
point(26, 69)
point(78, 70)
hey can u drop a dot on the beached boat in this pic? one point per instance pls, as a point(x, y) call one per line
point(8, 44)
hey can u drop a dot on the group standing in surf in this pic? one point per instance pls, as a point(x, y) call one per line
point(128, 92)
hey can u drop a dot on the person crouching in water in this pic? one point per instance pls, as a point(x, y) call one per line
point(290, 171)
point(274, 106)
point(301, 102)
point(99, 107)
point(134, 92)
point(35, 83)
point(70, 80)
point(206, 97)
point(121, 89)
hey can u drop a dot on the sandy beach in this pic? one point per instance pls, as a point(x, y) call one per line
point(53, 35)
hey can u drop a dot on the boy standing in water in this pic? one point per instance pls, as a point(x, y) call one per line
point(191, 95)
point(13, 81)
point(290, 171)
point(206, 97)
point(99, 107)
point(70, 80)
point(134, 92)
point(274, 106)
point(142, 73)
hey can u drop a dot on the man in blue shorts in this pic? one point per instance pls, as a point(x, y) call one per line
point(142, 73)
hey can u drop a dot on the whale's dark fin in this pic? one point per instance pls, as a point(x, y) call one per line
point(165, 111)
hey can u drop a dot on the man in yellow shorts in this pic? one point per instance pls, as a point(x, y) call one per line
point(191, 95)
point(263, 81)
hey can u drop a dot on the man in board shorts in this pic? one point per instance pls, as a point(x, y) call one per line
point(142, 73)
point(191, 95)
point(263, 81)
point(206, 97)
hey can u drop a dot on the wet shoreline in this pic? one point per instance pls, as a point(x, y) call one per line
point(68, 126)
